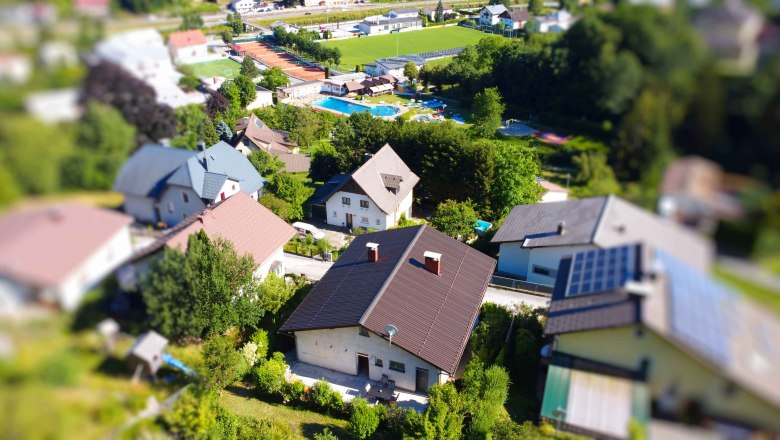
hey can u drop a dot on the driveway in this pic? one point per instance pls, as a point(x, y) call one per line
point(311, 268)
point(510, 297)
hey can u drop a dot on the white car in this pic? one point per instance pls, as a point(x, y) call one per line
point(305, 228)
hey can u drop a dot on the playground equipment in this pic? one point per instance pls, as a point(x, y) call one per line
point(177, 364)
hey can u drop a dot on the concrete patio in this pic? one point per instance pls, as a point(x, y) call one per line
point(350, 386)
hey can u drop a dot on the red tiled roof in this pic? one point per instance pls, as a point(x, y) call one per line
point(43, 246)
point(240, 219)
point(187, 38)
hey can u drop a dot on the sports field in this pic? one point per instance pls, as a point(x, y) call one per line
point(216, 68)
point(367, 49)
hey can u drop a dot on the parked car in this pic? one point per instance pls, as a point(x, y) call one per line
point(305, 228)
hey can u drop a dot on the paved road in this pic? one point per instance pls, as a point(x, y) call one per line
point(315, 269)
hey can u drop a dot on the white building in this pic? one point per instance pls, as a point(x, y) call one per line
point(264, 98)
point(357, 319)
point(242, 6)
point(14, 68)
point(534, 238)
point(145, 56)
point(340, 85)
point(299, 91)
point(394, 65)
point(385, 24)
point(514, 19)
point(373, 197)
point(54, 255)
point(403, 13)
point(54, 106)
point(490, 15)
point(188, 47)
point(559, 21)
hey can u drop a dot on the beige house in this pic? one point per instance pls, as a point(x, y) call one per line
point(639, 336)
point(257, 136)
point(395, 303)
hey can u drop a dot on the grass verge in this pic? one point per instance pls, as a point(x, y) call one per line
point(754, 291)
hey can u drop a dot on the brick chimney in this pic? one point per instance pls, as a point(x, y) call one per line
point(373, 251)
point(433, 262)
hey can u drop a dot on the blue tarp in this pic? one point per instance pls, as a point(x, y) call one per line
point(179, 365)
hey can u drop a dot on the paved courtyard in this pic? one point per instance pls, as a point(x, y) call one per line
point(349, 386)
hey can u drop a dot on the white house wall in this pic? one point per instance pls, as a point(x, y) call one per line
point(515, 260)
point(87, 275)
point(554, 196)
point(263, 269)
point(174, 209)
point(337, 349)
point(374, 217)
point(190, 54)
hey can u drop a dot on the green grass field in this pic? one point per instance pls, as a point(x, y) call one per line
point(757, 292)
point(367, 49)
point(216, 68)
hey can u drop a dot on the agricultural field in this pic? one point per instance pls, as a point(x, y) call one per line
point(216, 68)
point(367, 49)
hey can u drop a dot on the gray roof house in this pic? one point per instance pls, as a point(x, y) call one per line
point(641, 335)
point(383, 185)
point(428, 286)
point(534, 238)
point(163, 184)
point(489, 14)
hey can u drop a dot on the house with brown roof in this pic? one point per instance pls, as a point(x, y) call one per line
point(514, 18)
point(641, 336)
point(55, 254)
point(249, 226)
point(188, 46)
point(534, 238)
point(400, 303)
point(257, 136)
point(695, 193)
point(372, 197)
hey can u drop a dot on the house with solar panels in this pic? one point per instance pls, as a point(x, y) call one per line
point(400, 303)
point(164, 184)
point(641, 337)
point(534, 238)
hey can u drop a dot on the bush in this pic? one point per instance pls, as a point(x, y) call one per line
point(325, 435)
point(294, 391)
point(326, 399)
point(260, 338)
point(363, 419)
point(193, 415)
point(270, 376)
point(398, 422)
point(222, 364)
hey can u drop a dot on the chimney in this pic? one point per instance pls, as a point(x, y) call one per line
point(561, 227)
point(433, 262)
point(373, 251)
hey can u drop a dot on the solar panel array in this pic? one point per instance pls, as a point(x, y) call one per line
point(700, 309)
point(601, 270)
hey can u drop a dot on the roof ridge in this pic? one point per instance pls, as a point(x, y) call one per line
point(390, 276)
point(602, 215)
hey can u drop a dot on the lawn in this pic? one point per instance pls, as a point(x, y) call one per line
point(756, 292)
point(216, 68)
point(367, 49)
point(303, 423)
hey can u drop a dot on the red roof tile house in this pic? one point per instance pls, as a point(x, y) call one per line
point(248, 225)
point(426, 285)
point(53, 255)
point(93, 8)
point(188, 46)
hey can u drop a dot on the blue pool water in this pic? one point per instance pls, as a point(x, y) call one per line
point(348, 108)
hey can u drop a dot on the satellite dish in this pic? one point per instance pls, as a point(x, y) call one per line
point(391, 331)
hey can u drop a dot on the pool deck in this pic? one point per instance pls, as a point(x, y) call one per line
point(310, 100)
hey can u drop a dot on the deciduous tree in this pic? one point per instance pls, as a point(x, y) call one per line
point(248, 67)
point(456, 219)
point(486, 112)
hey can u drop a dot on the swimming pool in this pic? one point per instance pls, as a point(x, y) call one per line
point(348, 108)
